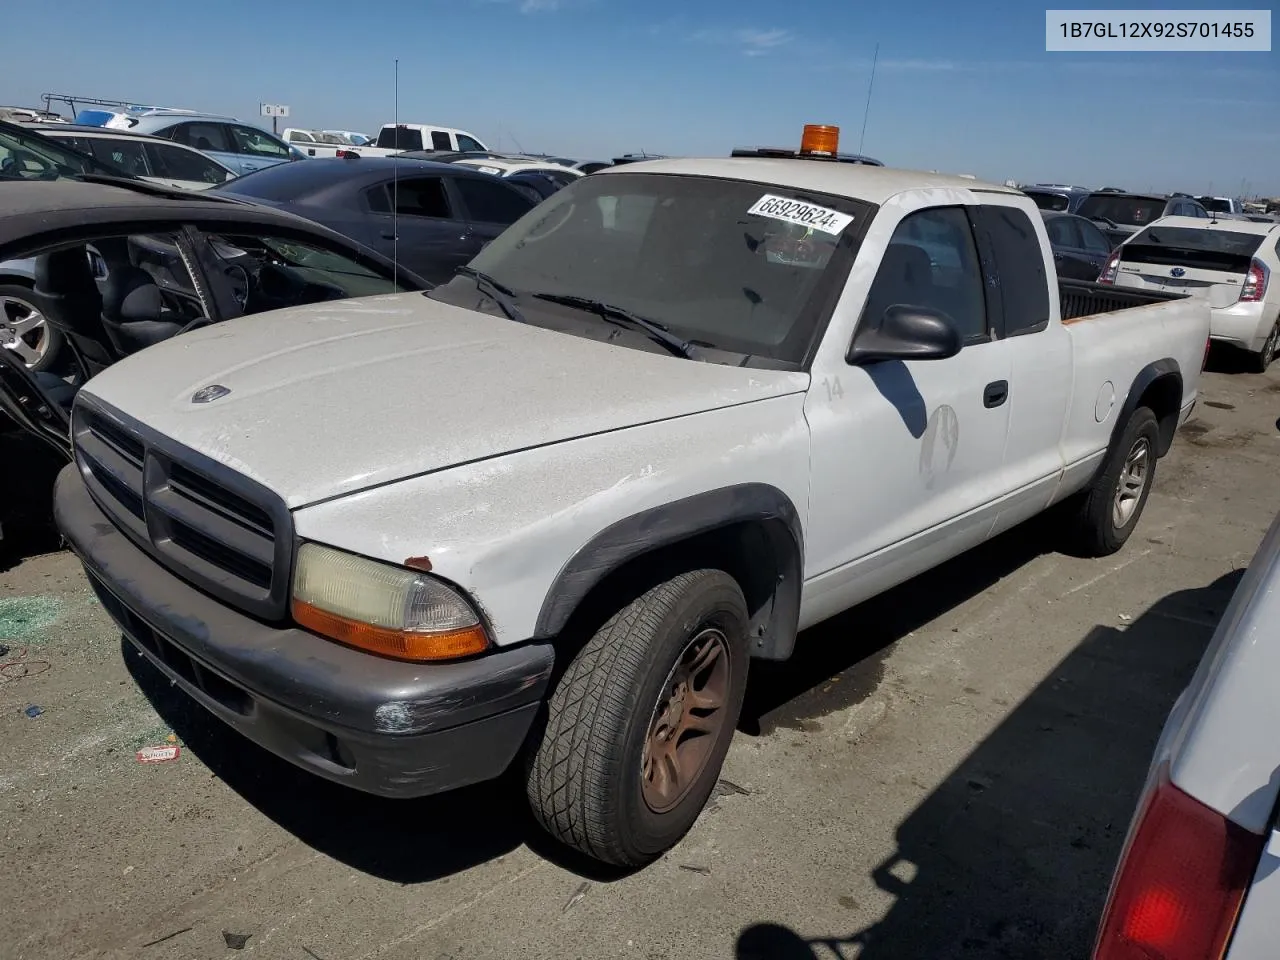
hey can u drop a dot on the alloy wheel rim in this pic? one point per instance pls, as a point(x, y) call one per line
point(24, 331)
point(687, 720)
point(1132, 482)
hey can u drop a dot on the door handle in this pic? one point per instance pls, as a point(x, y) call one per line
point(387, 235)
point(996, 393)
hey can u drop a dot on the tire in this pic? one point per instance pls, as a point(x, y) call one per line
point(38, 348)
point(1260, 361)
point(1101, 526)
point(596, 781)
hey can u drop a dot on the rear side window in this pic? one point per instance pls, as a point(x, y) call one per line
point(489, 202)
point(1021, 287)
point(440, 140)
point(203, 136)
point(172, 161)
point(400, 138)
point(420, 197)
point(1063, 232)
point(1095, 241)
point(127, 154)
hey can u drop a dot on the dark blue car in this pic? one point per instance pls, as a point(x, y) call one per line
point(432, 217)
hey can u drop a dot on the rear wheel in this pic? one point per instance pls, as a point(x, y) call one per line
point(639, 725)
point(24, 331)
point(1262, 359)
point(1110, 507)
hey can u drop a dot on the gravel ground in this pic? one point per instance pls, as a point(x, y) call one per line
point(946, 771)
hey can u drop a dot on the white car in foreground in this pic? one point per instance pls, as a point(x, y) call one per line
point(1229, 263)
point(1199, 874)
point(548, 512)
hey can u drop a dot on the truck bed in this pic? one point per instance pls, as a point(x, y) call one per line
point(1084, 298)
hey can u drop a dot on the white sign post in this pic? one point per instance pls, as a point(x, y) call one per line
point(275, 111)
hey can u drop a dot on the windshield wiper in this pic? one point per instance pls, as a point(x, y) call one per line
point(504, 297)
point(654, 330)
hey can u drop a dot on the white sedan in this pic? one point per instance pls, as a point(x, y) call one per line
point(1227, 262)
point(541, 177)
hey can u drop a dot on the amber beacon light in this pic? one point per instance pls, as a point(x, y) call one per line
point(820, 140)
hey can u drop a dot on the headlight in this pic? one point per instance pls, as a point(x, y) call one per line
point(386, 609)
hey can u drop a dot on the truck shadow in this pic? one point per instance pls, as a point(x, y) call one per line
point(850, 648)
point(1012, 855)
point(26, 496)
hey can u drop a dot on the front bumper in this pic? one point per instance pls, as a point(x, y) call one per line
point(382, 726)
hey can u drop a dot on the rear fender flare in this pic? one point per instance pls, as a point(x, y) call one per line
point(1165, 369)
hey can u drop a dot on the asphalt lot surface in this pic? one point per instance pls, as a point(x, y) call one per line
point(946, 771)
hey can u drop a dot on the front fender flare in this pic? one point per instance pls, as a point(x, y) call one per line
point(773, 626)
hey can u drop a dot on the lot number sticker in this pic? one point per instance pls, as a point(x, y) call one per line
point(804, 214)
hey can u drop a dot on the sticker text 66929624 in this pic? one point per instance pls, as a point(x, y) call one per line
point(804, 214)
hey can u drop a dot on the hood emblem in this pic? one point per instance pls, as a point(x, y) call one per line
point(214, 391)
point(1176, 272)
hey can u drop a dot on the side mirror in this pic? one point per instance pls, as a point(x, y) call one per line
point(906, 332)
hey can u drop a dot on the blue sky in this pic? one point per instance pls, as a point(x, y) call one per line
point(960, 86)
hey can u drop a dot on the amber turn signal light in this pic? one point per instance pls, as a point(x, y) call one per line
point(399, 644)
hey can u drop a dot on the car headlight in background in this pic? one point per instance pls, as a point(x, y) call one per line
point(382, 608)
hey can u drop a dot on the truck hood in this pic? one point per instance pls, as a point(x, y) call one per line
point(333, 398)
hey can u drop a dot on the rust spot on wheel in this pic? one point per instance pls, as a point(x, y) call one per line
point(687, 720)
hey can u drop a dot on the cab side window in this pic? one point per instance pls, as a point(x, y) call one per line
point(468, 145)
point(932, 262)
point(1021, 289)
point(440, 140)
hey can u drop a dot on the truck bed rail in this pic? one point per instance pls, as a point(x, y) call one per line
point(1084, 298)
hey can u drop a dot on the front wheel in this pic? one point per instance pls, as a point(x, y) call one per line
point(1110, 507)
point(1262, 359)
point(639, 725)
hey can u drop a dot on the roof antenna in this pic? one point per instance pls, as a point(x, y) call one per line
point(519, 149)
point(395, 179)
point(870, 85)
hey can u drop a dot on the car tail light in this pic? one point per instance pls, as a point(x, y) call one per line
point(347, 154)
point(1112, 268)
point(1180, 882)
point(1255, 282)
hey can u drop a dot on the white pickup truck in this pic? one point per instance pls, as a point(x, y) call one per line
point(545, 514)
point(397, 138)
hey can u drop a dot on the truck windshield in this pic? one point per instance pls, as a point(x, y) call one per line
point(1131, 211)
point(1226, 250)
point(735, 265)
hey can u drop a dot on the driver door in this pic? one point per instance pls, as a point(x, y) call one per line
point(907, 456)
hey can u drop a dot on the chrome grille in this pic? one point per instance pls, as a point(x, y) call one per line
point(210, 525)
